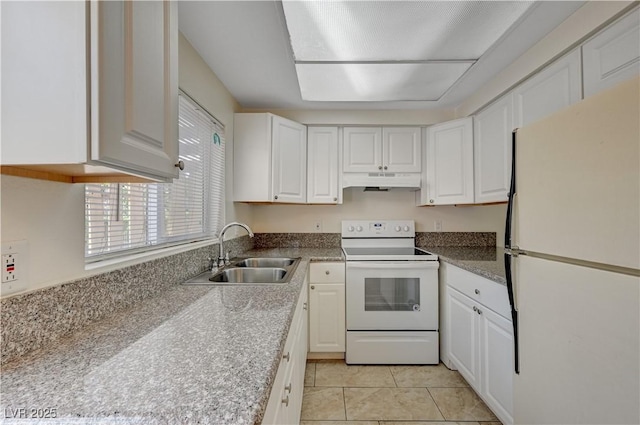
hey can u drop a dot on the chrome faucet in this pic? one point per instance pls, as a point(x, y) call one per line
point(222, 259)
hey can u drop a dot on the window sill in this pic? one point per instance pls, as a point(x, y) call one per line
point(141, 257)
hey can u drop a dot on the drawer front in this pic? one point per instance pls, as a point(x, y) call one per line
point(326, 272)
point(484, 291)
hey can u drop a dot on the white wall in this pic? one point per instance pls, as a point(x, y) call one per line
point(50, 215)
point(378, 205)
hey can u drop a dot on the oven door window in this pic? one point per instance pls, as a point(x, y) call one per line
point(392, 294)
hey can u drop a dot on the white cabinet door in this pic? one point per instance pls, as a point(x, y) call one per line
point(462, 336)
point(44, 83)
point(401, 148)
point(496, 346)
point(289, 167)
point(134, 86)
point(362, 149)
point(492, 151)
point(323, 165)
point(269, 159)
point(613, 55)
point(103, 90)
point(449, 164)
point(327, 317)
point(285, 399)
point(554, 88)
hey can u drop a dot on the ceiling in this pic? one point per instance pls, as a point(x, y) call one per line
point(247, 45)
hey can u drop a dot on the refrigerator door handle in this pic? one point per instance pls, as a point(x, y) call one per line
point(512, 251)
point(512, 192)
point(514, 312)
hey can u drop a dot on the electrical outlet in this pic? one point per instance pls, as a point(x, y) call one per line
point(15, 259)
point(10, 267)
point(318, 226)
point(437, 225)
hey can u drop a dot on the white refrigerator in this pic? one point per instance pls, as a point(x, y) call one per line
point(573, 263)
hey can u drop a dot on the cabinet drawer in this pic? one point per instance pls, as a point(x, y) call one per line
point(326, 272)
point(484, 291)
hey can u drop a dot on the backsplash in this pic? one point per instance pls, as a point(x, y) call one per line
point(332, 240)
point(455, 238)
point(37, 319)
point(296, 240)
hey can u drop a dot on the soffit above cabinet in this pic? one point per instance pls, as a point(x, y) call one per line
point(268, 54)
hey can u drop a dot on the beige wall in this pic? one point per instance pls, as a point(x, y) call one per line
point(199, 82)
point(378, 205)
point(50, 215)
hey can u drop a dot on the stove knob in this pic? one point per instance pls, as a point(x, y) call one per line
point(406, 228)
point(397, 228)
point(359, 228)
point(350, 228)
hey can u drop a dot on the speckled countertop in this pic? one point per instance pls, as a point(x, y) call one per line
point(486, 261)
point(192, 354)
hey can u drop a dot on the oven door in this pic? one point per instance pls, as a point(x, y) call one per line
point(392, 295)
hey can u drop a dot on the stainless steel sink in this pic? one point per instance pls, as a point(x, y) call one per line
point(265, 262)
point(250, 275)
point(250, 271)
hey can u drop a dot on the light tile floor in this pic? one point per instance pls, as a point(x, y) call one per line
point(337, 394)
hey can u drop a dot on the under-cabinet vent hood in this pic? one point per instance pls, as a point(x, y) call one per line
point(409, 181)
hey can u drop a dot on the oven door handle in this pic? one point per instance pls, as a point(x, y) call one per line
point(394, 265)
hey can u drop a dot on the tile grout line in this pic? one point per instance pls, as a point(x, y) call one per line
point(344, 403)
point(393, 377)
point(437, 407)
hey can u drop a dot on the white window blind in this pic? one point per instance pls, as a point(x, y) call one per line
point(121, 218)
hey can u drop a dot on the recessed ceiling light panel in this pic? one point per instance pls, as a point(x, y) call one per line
point(356, 31)
point(373, 82)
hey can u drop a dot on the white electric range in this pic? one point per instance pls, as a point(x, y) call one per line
point(391, 294)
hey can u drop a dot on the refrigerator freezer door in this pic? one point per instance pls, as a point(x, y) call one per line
point(579, 345)
point(578, 180)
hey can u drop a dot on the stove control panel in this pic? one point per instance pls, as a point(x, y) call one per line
point(378, 229)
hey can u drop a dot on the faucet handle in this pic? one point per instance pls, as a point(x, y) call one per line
point(226, 258)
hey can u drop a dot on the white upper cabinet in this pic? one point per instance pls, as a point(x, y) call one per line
point(492, 151)
point(362, 149)
point(289, 161)
point(613, 55)
point(387, 149)
point(103, 91)
point(448, 176)
point(270, 159)
point(401, 149)
point(323, 166)
point(554, 88)
point(134, 112)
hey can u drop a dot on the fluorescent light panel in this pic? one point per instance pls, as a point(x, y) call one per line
point(373, 82)
point(396, 33)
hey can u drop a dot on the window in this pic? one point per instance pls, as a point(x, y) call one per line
point(121, 218)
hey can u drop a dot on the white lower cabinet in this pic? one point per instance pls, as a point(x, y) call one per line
point(477, 340)
point(323, 166)
point(327, 326)
point(285, 400)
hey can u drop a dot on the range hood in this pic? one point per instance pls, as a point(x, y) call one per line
point(382, 181)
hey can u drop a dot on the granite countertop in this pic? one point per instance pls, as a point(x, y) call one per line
point(192, 354)
point(483, 260)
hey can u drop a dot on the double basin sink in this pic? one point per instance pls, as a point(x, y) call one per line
point(250, 271)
